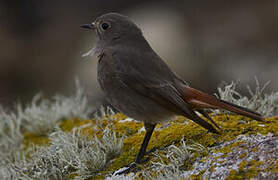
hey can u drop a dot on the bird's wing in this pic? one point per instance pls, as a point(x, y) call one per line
point(157, 85)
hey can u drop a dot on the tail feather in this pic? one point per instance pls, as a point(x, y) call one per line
point(240, 107)
point(200, 100)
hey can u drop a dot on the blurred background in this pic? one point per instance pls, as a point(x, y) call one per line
point(205, 42)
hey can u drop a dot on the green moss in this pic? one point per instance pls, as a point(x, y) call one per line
point(128, 128)
point(234, 175)
point(232, 126)
point(197, 176)
point(227, 149)
point(246, 170)
point(242, 155)
point(273, 167)
point(68, 124)
point(31, 139)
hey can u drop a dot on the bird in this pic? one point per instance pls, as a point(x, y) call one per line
point(138, 83)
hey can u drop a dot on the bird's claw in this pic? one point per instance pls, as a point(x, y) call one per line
point(128, 169)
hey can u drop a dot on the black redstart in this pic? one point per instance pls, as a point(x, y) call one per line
point(138, 83)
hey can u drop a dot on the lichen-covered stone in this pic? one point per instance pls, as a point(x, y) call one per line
point(244, 149)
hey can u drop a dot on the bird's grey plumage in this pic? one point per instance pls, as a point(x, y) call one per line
point(122, 66)
point(138, 82)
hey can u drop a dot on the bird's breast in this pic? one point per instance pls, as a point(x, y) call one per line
point(107, 75)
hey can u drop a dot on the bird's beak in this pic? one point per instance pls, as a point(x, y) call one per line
point(88, 26)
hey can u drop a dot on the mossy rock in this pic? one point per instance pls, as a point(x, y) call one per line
point(233, 140)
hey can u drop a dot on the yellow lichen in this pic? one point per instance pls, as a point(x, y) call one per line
point(242, 155)
point(246, 170)
point(69, 124)
point(231, 127)
point(197, 176)
point(228, 149)
point(33, 139)
point(274, 166)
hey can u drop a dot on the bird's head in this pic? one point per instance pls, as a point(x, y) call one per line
point(112, 27)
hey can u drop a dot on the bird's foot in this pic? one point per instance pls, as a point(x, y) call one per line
point(131, 167)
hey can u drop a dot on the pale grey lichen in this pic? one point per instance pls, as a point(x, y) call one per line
point(11, 138)
point(266, 104)
point(41, 115)
point(8, 172)
point(177, 157)
point(76, 155)
point(71, 154)
point(253, 147)
point(110, 143)
point(167, 172)
point(184, 153)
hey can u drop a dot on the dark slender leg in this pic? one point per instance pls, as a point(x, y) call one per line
point(149, 130)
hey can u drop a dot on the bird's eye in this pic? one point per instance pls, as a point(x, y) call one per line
point(105, 26)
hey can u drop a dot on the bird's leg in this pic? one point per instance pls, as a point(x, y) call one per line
point(149, 130)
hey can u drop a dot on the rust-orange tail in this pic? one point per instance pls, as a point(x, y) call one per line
point(200, 100)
